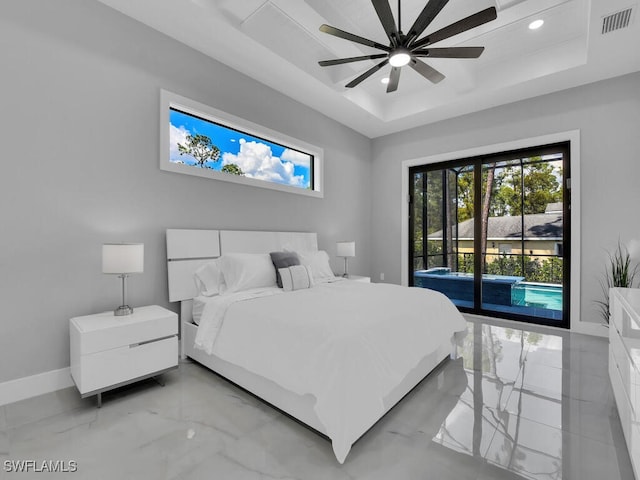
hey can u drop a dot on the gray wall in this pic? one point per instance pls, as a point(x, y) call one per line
point(608, 116)
point(79, 123)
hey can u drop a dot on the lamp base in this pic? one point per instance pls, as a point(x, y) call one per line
point(346, 270)
point(123, 310)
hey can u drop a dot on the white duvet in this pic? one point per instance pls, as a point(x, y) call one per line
point(347, 343)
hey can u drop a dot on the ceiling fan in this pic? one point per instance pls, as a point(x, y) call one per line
point(407, 49)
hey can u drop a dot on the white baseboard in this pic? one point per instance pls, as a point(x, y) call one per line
point(27, 387)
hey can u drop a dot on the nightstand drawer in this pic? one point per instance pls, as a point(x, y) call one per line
point(103, 369)
point(105, 331)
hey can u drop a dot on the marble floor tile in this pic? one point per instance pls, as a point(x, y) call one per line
point(538, 404)
point(537, 451)
point(521, 402)
point(598, 421)
point(386, 457)
point(589, 343)
point(3, 418)
point(548, 350)
point(41, 407)
point(285, 449)
point(4, 445)
point(589, 362)
point(492, 350)
point(589, 388)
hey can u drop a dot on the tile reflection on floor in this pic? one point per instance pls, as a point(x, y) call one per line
point(521, 403)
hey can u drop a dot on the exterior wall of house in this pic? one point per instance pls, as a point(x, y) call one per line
point(531, 247)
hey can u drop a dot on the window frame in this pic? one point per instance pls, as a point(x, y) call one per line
point(170, 100)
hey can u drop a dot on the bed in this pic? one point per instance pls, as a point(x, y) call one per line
point(335, 357)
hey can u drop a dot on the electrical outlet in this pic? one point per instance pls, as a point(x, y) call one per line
point(382, 277)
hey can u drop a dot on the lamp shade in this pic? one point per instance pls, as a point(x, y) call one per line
point(118, 258)
point(346, 249)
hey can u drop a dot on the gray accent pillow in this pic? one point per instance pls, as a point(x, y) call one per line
point(283, 260)
point(296, 277)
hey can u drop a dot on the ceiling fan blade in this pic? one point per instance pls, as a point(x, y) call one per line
point(336, 32)
point(430, 11)
point(383, 9)
point(340, 61)
point(451, 52)
point(367, 74)
point(460, 26)
point(394, 78)
point(426, 71)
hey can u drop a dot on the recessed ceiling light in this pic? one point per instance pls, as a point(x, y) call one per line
point(384, 80)
point(536, 24)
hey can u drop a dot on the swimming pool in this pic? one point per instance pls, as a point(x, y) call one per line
point(498, 291)
point(459, 287)
point(540, 295)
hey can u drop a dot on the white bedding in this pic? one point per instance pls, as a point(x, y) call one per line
point(346, 343)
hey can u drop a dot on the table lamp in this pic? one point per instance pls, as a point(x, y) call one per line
point(122, 259)
point(346, 250)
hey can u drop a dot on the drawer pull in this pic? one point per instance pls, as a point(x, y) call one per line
point(146, 342)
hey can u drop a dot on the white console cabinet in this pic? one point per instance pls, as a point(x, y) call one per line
point(108, 351)
point(624, 364)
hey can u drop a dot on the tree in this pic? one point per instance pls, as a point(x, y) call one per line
point(201, 148)
point(465, 195)
point(541, 187)
point(232, 169)
point(486, 205)
point(527, 189)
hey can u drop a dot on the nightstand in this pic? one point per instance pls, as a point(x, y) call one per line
point(109, 351)
point(358, 278)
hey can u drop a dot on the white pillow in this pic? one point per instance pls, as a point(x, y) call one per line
point(318, 261)
point(296, 277)
point(243, 271)
point(209, 279)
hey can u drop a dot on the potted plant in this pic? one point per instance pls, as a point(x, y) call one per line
point(619, 273)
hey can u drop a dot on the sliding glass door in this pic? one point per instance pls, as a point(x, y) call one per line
point(492, 233)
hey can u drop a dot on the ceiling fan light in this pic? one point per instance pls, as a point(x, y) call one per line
point(536, 24)
point(399, 58)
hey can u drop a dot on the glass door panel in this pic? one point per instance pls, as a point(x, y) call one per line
point(522, 263)
point(442, 233)
point(542, 291)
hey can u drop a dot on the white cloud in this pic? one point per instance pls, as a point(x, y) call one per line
point(257, 161)
point(297, 158)
point(178, 135)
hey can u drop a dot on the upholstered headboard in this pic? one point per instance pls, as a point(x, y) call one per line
point(187, 250)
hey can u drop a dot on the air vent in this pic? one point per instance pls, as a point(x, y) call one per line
point(617, 20)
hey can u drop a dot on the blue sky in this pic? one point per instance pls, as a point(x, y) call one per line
point(256, 157)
